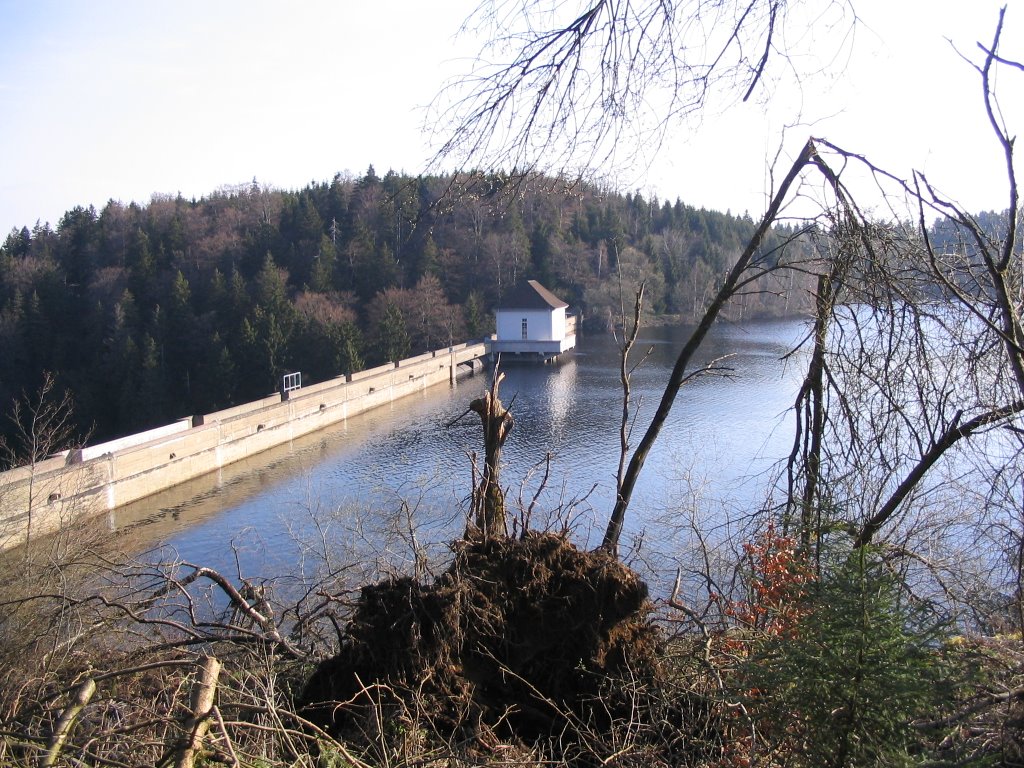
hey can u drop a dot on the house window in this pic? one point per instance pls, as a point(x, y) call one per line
point(525, 335)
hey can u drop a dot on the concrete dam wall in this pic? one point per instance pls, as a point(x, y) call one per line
point(39, 499)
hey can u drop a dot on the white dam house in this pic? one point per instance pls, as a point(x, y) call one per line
point(532, 323)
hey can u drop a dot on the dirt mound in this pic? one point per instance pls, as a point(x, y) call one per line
point(519, 639)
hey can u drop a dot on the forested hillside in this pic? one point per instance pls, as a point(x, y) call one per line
point(148, 313)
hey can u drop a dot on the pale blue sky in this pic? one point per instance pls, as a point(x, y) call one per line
point(120, 99)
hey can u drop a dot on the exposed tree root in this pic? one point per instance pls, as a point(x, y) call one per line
point(519, 640)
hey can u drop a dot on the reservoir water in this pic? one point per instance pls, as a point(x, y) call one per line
point(394, 482)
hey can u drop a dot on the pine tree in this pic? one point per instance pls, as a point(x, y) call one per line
point(843, 686)
point(392, 335)
point(150, 408)
point(474, 315)
point(350, 358)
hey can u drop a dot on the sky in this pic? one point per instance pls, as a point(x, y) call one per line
point(121, 100)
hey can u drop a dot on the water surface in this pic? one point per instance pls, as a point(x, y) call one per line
point(384, 483)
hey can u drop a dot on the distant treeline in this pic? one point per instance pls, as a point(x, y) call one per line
point(149, 312)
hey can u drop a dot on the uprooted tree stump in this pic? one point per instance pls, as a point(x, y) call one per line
point(518, 639)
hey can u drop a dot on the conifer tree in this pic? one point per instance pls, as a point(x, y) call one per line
point(843, 686)
point(392, 335)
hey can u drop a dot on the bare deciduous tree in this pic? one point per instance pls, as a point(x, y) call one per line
point(44, 425)
point(915, 353)
point(573, 87)
point(753, 264)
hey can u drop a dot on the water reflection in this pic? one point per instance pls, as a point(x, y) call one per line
point(390, 480)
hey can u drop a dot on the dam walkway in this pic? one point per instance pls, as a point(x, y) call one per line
point(42, 497)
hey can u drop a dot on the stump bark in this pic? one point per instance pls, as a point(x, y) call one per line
point(488, 497)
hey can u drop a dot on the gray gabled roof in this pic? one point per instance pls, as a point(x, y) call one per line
point(531, 295)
